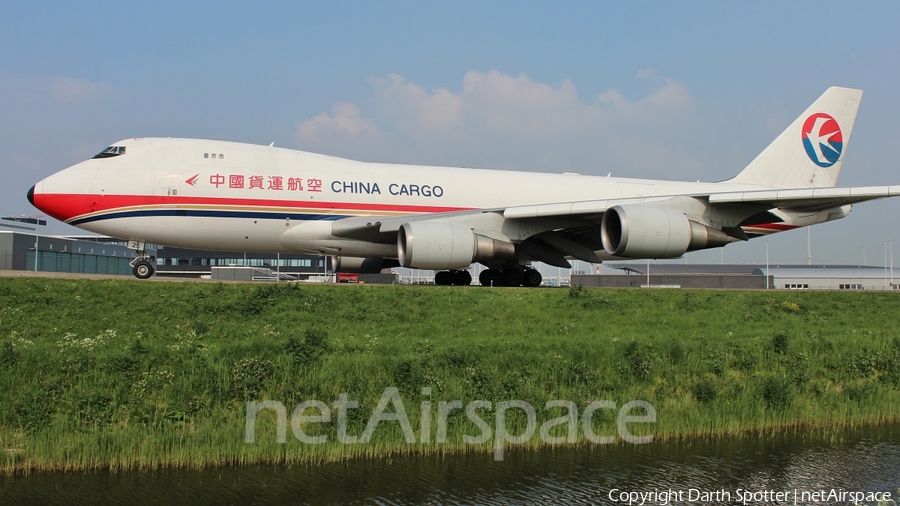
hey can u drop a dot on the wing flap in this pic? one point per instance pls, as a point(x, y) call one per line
point(579, 208)
point(560, 209)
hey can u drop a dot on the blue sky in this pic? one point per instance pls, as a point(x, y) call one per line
point(645, 89)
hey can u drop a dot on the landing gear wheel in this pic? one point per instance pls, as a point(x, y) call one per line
point(532, 278)
point(462, 278)
point(490, 277)
point(443, 278)
point(143, 269)
point(512, 277)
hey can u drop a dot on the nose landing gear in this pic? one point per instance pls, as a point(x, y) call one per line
point(141, 266)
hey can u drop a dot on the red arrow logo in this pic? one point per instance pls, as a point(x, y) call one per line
point(192, 180)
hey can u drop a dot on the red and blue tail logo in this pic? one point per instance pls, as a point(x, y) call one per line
point(822, 139)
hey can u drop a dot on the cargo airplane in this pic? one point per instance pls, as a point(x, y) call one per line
point(209, 194)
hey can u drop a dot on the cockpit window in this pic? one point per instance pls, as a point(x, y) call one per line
point(111, 152)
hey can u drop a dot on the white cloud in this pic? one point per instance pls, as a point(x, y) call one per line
point(648, 72)
point(501, 120)
point(671, 96)
point(345, 121)
point(78, 91)
point(492, 102)
point(503, 103)
point(347, 133)
point(413, 107)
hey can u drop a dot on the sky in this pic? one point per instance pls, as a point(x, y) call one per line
point(677, 90)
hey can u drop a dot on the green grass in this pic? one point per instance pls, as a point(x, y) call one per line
point(126, 374)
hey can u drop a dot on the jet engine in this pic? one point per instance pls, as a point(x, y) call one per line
point(430, 245)
point(634, 231)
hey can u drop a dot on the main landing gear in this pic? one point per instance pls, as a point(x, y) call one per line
point(141, 265)
point(511, 276)
point(457, 278)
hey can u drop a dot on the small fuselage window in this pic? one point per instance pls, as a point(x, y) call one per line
point(111, 152)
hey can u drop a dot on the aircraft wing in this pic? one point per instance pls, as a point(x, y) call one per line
point(801, 199)
point(571, 229)
point(591, 211)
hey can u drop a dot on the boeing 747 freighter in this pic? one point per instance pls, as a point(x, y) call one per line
point(220, 195)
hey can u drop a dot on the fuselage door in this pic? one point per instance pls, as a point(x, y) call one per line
point(170, 185)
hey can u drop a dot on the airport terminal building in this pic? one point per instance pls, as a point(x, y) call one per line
point(25, 247)
point(831, 277)
point(743, 276)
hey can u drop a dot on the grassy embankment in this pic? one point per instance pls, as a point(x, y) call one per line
point(130, 374)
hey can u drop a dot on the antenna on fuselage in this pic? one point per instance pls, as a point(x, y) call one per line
point(271, 144)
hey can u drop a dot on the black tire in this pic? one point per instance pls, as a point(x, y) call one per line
point(533, 278)
point(443, 278)
point(462, 278)
point(488, 276)
point(512, 277)
point(143, 269)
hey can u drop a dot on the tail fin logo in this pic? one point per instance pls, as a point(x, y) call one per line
point(822, 139)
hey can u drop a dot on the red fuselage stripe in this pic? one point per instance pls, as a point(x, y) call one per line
point(66, 206)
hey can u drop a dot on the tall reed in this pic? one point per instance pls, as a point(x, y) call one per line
point(128, 374)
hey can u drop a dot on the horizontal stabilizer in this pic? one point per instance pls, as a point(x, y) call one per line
point(796, 197)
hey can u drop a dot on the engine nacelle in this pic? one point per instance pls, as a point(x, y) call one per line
point(362, 265)
point(634, 231)
point(429, 245)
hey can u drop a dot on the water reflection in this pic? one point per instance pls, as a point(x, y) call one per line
point(866, 459)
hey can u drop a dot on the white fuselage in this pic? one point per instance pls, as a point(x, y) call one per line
point(232, 196)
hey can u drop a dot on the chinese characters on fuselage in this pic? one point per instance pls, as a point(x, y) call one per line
point(294, 184)
point(276, 183)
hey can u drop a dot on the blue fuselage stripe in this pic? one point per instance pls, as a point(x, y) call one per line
point(199, 213)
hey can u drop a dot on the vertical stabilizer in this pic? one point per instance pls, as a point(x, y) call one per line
point(809, 153)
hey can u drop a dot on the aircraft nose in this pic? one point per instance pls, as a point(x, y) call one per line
point(31, 195)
